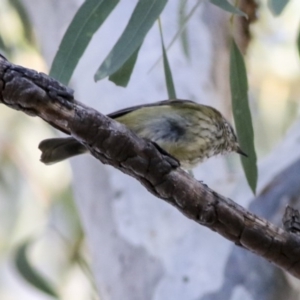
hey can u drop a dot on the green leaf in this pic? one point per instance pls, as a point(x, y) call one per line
point(180, 31)
point(241, 113)
point(167, 69)
point(225, 5)
point(183, 32)
point(2, 44)
point(277, 6)
point(25, 20)
point(142, 19)
point(122, 76)
point(85, 23)
point(30, 274)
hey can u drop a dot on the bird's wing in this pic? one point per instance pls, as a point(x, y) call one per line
point(127, 110)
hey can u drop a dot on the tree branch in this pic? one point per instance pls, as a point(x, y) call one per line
point(112, 143)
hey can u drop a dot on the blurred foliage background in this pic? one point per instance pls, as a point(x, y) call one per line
point(37, 214)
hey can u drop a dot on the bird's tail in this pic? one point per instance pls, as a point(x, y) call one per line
point(58, 149)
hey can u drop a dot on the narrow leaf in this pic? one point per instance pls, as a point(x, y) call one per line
point(122, 76)
point(277, 6)
point(86, 22)
point(225, 5)
point(183, 31)
point(142, 19)
point(167, 69)
point(3, 45)
point(25, 20)
point(179, 31)
point(242, 115)
point(30, 274)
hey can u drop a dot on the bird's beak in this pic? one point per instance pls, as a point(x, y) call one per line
point(240, 151)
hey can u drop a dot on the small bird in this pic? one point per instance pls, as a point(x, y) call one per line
point(188, 131)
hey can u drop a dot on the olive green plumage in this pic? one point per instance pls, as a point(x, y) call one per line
point(189, 131)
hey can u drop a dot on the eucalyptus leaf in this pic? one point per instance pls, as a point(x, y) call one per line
point(25, 20)
point(2, 44)
point(85, 23)
point(122, 76)
point(29, 273)
point(225, 5)
point(179, 32)
point(242, 114)
point(277, 6)
point(183, 32)
point(141, 20)
point(167, 69)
